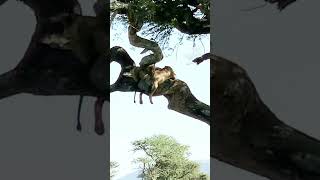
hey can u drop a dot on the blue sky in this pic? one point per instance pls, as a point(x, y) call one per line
point(130, 121)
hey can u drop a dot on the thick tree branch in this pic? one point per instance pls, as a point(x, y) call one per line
point(176, 91)
point(67, 55)
point(248, 135)
point(9, 84)
point(51, 72)
point(44, 70)
point(182, 100)
point(281, 4)
point(137, 41)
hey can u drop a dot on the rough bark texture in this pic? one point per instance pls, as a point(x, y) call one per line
point(246, 134)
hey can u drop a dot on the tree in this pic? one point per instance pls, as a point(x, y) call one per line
point(249, 136)
point(165, 158)
point(182, 18)
point(157, 19)
point(113, 168)
point(165, 14)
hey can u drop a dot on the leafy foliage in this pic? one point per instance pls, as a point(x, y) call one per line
point(160, 17)
point(166, 159)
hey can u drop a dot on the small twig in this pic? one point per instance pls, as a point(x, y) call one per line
point(113, 15)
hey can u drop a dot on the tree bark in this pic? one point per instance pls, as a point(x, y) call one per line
point(246, 134)
point(44, 70)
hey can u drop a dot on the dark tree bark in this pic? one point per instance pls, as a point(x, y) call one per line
point(281, 4)
point(246, 134)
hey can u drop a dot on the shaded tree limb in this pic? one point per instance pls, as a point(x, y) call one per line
point(52, 72)
point(49, 69)
point(9, 84)
point(176, 91)
point(281, 4)
point(246, 134)
point(44, 70)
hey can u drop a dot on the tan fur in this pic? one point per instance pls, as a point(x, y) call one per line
point(159, 77)
point(155, 76)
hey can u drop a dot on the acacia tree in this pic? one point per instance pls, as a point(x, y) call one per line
point(165, 158)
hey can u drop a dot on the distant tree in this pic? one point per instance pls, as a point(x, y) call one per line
point(165, 159)
point(113, 168)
